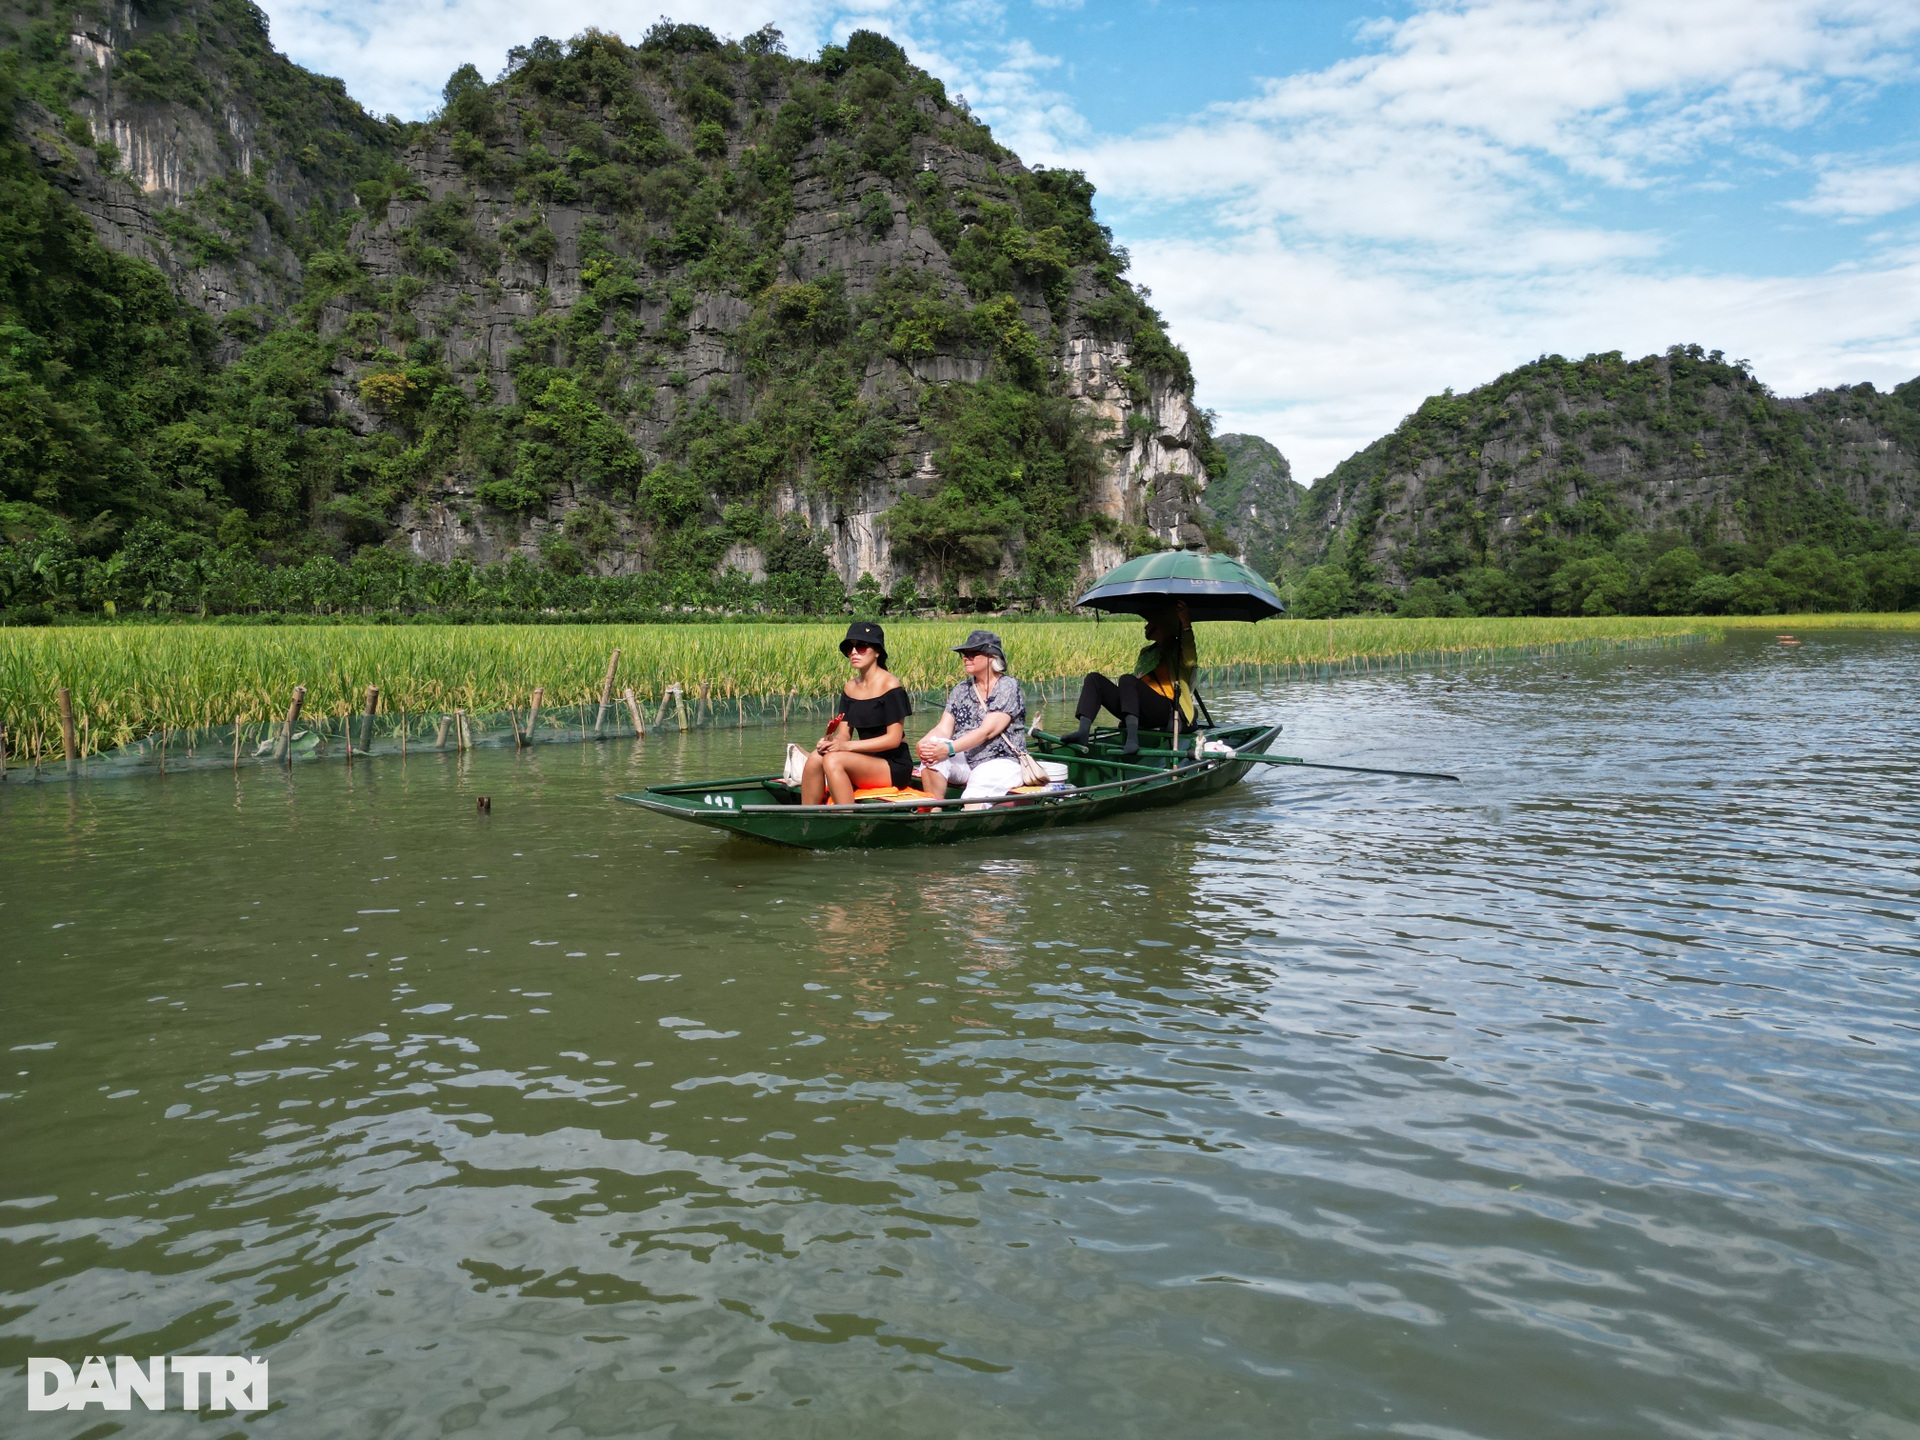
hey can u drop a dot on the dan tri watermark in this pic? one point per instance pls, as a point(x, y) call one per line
point(232, 1382)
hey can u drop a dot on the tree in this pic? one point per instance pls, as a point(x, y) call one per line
point(1323, 592)
point(1427, 597)
point(1812, 577)
point(1671, 580)
point(1593, 585)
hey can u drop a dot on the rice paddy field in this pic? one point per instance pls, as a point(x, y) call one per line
point(1906, 620)
point(135, 681)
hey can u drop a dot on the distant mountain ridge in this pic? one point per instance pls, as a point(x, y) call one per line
point(1253, 499)
point(1604, 484)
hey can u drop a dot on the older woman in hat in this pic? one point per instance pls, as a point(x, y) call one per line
point(1160, 685)
point(983, 729)
point(866, 741)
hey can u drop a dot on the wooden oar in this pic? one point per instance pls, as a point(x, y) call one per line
point(1356, 769)
point(1311, 764)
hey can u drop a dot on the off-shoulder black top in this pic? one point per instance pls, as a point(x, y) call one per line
point(870, 719)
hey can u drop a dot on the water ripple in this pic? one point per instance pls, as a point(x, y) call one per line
point(1574, 1100)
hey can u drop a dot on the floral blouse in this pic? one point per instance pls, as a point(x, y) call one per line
point(969, 714)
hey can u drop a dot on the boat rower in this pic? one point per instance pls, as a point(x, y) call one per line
point(1161, 683)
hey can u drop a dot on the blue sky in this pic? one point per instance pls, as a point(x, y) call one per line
point(1343, 208)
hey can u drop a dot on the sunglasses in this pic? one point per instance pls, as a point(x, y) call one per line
point(859, 645)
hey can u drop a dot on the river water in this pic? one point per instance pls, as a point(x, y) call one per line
point(1574, 1100)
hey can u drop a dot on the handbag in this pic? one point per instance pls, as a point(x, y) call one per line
point(1030, 771)
point(797, 758)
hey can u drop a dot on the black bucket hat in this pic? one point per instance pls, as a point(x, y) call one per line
point(986, 642)
point(865, 632)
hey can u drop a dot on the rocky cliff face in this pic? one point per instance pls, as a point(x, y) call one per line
point(858, 231)
point(631, 307)
point(1682, 444)
point(191, 144)
point(862, 236)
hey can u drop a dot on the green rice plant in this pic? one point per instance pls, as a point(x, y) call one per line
point(1839, 620)
point(128, 682)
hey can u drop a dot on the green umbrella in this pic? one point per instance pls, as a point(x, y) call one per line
point(1214, 587)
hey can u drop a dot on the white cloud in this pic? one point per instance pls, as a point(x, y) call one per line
point(1322, 355)
point(1469, 119)
point(395, 57)
point(1444, 206)
point(1864, 192)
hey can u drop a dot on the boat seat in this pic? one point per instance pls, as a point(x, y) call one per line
point(878, 793)
point(862, 793)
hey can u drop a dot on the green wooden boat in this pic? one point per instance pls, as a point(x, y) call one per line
point(764, 807)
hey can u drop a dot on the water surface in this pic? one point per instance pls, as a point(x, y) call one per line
point(1576, 1100)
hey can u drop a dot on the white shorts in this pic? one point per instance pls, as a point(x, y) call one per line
point(990, 779)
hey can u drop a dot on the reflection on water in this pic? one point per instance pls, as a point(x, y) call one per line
point(1575, 1100)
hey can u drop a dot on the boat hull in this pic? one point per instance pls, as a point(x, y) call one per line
point(734, 805)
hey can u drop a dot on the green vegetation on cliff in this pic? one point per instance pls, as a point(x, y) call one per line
point(1672, 485)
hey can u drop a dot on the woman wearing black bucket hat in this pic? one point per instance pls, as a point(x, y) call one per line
point(866, 741)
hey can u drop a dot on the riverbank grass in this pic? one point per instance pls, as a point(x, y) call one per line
point(133, 681)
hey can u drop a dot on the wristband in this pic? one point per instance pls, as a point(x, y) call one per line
point(950, 750)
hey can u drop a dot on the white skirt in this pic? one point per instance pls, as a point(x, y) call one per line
point(987, 780)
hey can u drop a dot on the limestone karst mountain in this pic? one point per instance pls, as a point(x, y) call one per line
point(1603, 484)
point(693, 322)
point(687, 306)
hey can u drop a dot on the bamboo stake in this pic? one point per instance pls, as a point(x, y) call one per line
point(460, 736)
point(403, 734)
point(440, 732)
point(606, 693)
point(65, 697)
point(366, 720)
point(284, 750)
point(680, 706)
point(3, 752)
point(533, 717)
point(236, 746)
point(633, 709)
